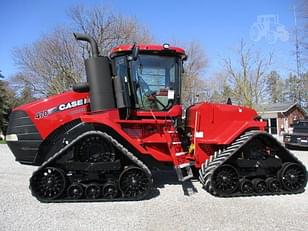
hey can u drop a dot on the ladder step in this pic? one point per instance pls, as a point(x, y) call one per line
point(187, 178)
point(180, 153)
point(172, 132)
point(185, 165)
point(184, 172)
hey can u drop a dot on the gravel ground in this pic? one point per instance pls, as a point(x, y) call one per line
point(169, 210)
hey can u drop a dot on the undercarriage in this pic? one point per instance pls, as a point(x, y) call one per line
point(93, 167)
point(254, 164)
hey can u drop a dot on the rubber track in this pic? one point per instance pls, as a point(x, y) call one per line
point(116, 144)
point(221, 156)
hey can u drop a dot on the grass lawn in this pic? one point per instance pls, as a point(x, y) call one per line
point(2, 142)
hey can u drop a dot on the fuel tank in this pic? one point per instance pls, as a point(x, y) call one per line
point(220, 123)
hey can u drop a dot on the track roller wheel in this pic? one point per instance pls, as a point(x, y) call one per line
point(259, 185)
point(225, 180)
point(48, 183)
point(246, 186)
point(75, 191)
point(110, 190)
point(273, 185)
point(93, 191)
point(292, 177)
point(134, 183)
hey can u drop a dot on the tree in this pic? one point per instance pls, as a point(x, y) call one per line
point(55, 62)
point(219, 90)
point(247, 75)
point(274, 87)
point(107, 28)
point(193, 87)
point(6, 103)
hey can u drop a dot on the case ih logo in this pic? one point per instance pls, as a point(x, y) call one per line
point(62, 107)
point(76, 103)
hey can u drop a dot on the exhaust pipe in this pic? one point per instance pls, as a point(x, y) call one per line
point(99, 77)
point(89, 39)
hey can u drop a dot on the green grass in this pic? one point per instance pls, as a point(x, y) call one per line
point(2, 142)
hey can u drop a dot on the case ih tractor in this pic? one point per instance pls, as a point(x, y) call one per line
point(102, 141)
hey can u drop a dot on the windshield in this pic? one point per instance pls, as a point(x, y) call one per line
point(156, 81)
point(301, 127)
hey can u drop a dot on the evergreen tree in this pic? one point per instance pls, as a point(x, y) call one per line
point(274, 87)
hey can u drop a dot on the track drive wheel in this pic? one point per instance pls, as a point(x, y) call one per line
point(94, 148)
point(135, 183)
point(48, 183)
point(292, 177)
point(225, 180)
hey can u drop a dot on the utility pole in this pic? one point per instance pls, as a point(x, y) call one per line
point(297, 55)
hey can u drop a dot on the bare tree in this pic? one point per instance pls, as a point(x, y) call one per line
point(247, 75)
point(50, 65)
point(107, 28)
point(55, 62)
point(218, 88)
point(193, 88)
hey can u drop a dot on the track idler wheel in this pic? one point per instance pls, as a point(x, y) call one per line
point(93, 191)
point(48, 183)
point(273, 185)
point(134, 183)
point(259, 185)
point(75, 191)
point(246, 186)
point(293, 177)
point(225, 180)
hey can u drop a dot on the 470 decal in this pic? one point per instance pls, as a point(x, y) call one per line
point(62, 107)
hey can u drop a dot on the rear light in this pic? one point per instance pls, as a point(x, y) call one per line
point(287, 138)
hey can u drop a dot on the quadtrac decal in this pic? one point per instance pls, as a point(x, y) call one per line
point(62, 107)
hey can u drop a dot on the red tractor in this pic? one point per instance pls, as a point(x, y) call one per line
point(103, 140)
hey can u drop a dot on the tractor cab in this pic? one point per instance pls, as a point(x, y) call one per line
point(149, 78)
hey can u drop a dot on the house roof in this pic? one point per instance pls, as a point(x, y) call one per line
point(279, 107)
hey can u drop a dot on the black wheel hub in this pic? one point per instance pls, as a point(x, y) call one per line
point(134, 183)
point(259, 185)
point(225, 179)
point(93, 191)
point(75, 191)
point(110, 190)
point(246, 186)
point(273, 184)
point(292, 177)
point(48, 183)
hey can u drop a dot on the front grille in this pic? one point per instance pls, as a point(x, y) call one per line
point(29, 139)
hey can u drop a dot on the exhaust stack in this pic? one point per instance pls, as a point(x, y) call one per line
point(99, 77)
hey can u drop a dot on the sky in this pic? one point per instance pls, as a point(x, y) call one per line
point(218, 26)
